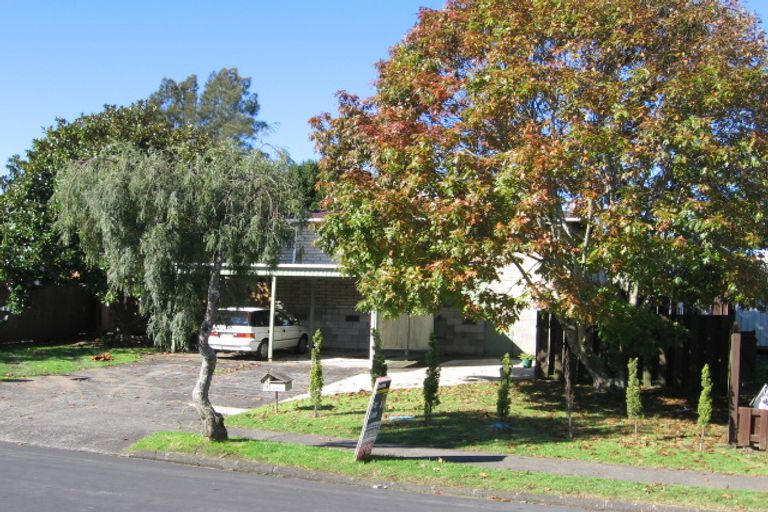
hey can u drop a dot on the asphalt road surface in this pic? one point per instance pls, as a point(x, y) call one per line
point(35, 479)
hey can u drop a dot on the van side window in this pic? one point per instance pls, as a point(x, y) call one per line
point(260, 319)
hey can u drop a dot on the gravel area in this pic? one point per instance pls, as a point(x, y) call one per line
point(107, 409)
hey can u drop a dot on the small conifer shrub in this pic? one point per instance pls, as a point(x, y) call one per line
point(432, 380)
point(502, 399)
point(316, 372)
point(634, 404)
point(705, 404)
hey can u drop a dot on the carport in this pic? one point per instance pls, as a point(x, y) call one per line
point(309, 283)
point(322, 297)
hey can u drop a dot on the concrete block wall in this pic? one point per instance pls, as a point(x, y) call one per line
point(511, 282)
point(343, 327)
point(458, 335)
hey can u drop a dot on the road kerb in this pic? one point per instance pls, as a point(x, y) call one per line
point(259, 468)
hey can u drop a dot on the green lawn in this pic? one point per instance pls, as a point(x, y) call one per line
point(466, 420)
point(18, 360)
point(428, 473)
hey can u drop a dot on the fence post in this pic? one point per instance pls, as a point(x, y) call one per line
point(734, 385)
point(763, 430)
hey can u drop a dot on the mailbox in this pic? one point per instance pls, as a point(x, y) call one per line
point(276, 382)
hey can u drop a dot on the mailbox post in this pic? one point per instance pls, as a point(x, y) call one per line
point(277, 383)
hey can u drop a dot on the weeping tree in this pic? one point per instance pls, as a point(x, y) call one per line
point(164, 225)
point(31, 252)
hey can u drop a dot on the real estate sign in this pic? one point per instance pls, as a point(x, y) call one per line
point(373, 418)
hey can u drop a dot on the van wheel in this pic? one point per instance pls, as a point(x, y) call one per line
point(263, 350)
point(301, 346)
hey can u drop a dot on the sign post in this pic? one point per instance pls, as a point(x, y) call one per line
point(373, 418)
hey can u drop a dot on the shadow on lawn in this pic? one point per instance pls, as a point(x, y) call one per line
point(547, 396)
point(598, 415)
point(459, 429)
point(325, 407)
point(24, 352)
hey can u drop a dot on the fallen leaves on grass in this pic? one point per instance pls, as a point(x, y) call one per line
point(104, 356)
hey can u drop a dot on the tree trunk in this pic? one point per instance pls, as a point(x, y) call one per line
point(213, 422)
point(579, 342)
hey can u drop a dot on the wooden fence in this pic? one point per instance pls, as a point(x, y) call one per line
point(752, 428)
point(677, 367)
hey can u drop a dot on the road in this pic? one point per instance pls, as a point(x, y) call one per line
point(36, 479)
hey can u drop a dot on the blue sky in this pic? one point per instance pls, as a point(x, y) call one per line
point(60, 59)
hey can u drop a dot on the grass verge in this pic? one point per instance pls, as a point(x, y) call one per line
point(466, 420)
point(435, 473)
point(18, 360)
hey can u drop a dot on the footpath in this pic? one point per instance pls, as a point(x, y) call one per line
point(532, 464)
point(464, 371)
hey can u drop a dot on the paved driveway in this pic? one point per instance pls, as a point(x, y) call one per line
point(107, 409)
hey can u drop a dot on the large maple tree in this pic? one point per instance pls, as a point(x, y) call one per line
point(620, 146)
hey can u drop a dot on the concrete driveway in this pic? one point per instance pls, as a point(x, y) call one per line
point(107, 409)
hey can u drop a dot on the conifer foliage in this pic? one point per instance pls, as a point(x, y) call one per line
point(432, 380)
point(502, 400)
point(634, 404)
point(705, 404)
point(316, 372)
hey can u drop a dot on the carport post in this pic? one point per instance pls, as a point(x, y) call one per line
point(374, 327)
point(272, 317)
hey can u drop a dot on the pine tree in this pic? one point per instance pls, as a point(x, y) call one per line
point(705, 404)
point(316, 372)
point(634, 404)
point(502, 400)
point(432, 380)
point(379, 364)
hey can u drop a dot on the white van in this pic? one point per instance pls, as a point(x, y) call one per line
point(247, 330)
